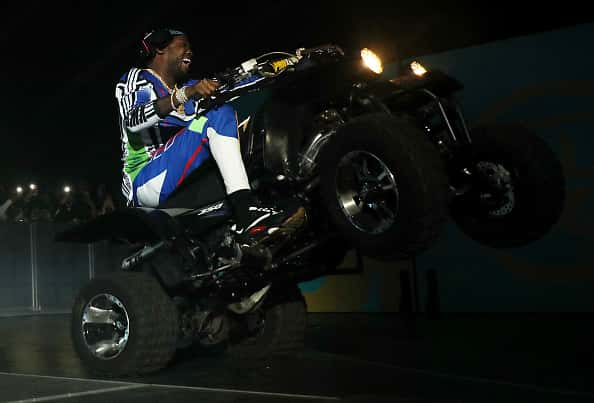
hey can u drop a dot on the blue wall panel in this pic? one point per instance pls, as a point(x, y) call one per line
point(61, 268)
point(15, 267)
point(545, 82)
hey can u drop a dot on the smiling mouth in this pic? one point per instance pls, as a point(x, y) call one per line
point(186, 61)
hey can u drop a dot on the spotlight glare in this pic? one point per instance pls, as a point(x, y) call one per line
point(372, 61)
point(418, 69)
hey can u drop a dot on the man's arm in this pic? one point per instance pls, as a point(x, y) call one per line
point(164, 105)
point(138, 103)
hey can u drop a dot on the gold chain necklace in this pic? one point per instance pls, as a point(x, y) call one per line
point(180, 108)
point(154, 73)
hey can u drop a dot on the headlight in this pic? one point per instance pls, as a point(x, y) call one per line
point(372, 61)
point(418, 69)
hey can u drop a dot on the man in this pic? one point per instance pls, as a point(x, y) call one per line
point(164, 140)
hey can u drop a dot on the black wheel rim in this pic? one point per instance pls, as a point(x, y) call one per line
point(495, 192)
point(367, 192)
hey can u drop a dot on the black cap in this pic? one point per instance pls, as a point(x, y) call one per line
point(157, 39)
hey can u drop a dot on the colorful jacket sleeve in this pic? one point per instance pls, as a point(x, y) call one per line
point(136, 99)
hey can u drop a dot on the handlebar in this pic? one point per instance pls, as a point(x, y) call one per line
point(238, 80)
point(327, 49)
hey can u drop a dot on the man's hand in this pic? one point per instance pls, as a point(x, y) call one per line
point(203, 88)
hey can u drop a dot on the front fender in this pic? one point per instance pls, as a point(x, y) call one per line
point(278, 132)
point(129, 224)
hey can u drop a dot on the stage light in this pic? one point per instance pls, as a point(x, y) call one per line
point(372, 61)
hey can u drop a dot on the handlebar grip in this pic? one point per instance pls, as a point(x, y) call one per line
point(279, 65)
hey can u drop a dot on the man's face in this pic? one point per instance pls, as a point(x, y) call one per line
point(179, 57)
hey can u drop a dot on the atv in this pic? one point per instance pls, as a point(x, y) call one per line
point(378, 164)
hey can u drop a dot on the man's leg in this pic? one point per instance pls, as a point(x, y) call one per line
point(214, 134)
point(254, 221)
point(223, 140)
point(170, 165)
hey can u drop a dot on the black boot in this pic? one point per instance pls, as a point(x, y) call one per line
point(258, 224)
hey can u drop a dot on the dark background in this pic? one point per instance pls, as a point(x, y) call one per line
point(61, 60)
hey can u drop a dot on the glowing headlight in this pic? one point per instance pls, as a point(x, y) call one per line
point(32, 186)
point(418, 69)
point(67, 189)
point(372, 61)
point(19, 189)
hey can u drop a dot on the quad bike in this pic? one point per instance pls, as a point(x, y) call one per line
point(378, 165)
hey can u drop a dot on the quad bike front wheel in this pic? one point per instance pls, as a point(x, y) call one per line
point(516, 187)
point(124, 324)
point(384, 186)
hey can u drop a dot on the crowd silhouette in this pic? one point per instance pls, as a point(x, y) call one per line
point(69, 203)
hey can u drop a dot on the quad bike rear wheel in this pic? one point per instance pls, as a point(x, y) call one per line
point(517, 187)
point(384, 186)
point(124, 324)
point(276, 327)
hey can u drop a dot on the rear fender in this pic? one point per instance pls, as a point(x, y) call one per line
point(128, 224)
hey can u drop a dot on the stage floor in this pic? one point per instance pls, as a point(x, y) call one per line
point(371, 358)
